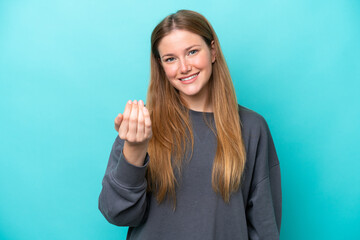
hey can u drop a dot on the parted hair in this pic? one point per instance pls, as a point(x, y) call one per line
point(172, 130)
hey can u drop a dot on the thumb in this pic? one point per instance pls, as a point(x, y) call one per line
point(118, 121)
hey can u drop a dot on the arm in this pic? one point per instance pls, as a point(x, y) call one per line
point(122, 200)
point(265, 200)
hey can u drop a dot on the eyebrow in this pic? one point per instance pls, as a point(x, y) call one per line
point(186, 49)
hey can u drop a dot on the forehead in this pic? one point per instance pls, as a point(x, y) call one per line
point(179, 40)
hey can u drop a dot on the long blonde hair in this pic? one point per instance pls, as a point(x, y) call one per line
point(172, 132)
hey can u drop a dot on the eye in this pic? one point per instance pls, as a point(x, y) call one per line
point(170, 59)
point(192, 52)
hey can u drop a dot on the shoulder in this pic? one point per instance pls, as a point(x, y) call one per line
point(251, 120)
point(260, 148)
point(256, 135)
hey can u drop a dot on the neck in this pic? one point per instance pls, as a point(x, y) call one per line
point(198, 103)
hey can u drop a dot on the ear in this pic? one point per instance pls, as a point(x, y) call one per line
point(213, 51)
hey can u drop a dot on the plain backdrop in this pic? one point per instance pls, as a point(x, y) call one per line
point(68, 67)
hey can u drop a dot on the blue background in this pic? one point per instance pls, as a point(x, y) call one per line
point(67, 69)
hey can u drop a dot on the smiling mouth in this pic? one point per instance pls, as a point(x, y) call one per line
point(189, 78)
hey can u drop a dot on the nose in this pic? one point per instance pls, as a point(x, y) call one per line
point(185, 67)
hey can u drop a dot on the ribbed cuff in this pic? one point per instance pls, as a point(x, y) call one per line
point(128, 174)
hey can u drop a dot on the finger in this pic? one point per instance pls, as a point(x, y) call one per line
point(140, 127)
point(131, 135)
point(147, 121)
point(125, 122)
point(118, 121)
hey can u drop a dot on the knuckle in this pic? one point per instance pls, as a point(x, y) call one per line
point(130, 139)
point(133, 120)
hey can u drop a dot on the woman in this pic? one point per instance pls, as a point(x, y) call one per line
point(192, 164)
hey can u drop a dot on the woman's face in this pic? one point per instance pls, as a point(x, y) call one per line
point(187, 62)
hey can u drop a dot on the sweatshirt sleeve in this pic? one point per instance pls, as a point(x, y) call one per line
point(265, 200)
point(122, 200)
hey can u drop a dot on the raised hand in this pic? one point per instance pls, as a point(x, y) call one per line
point(134, 126)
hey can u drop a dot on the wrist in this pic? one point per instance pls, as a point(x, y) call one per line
point(135, 153)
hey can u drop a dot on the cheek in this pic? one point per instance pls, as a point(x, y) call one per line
point(170, 71)
point(202, 62)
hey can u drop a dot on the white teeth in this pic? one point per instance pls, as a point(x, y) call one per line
point(185, 79)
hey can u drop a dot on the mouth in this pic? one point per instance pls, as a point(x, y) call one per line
point(189, 77)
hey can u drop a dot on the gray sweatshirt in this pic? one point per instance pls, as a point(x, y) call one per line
point(254, 211)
